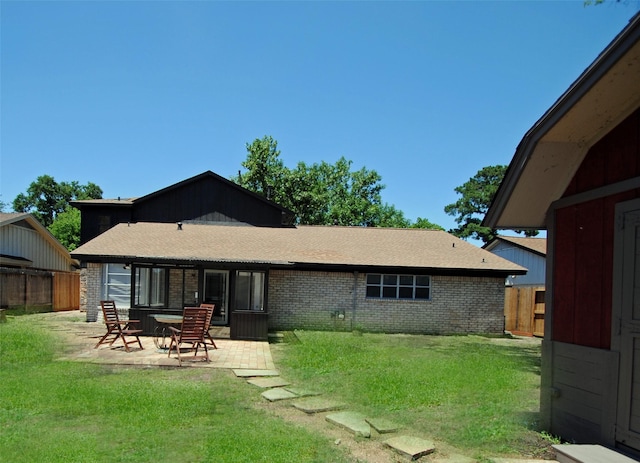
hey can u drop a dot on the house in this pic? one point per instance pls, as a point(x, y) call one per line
point(576, 173)
point(524, 307)
point(207, 198)
point(283, 277)
point(36, 270)
point(529, 253)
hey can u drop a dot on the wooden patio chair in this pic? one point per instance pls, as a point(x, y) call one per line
point(207, 336)
point(117, 328)
point(194, 322)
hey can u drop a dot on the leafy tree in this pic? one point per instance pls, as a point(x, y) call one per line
point(470, 209)
point(320, 193)
point(48, 201)
point(424, 223)
point(46, 198)
point(265, 170)
point(477, 194)
point(66, 228)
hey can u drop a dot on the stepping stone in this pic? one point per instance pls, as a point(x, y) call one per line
point(589, 452)
point(351, 421)
point(278, 393)
point(301, 392)
point(463, 459)
point(411, 447)
point(240, 373)
point(272, 381)
point(382, 426)
point(317, 405)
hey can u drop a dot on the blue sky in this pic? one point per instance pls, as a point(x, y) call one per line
point(135, 96)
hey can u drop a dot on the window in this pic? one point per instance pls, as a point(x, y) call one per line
point(116, 280)
point(104, 223)
point(381, 286)
point(151, 287)
point(250, 291)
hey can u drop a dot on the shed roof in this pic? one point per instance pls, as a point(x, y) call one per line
point(296, 246)
point(551, 151)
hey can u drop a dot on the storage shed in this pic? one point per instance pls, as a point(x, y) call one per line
point(576, 173)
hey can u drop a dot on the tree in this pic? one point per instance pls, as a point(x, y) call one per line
point(320, 193)
point(424, 223)
point(477, 194)
point(46, 198)
point(66, 228)
point(48, 201)
point(265, 171)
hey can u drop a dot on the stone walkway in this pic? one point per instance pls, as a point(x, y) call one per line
point(390, 435)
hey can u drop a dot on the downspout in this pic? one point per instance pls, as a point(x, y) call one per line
point(355, 299)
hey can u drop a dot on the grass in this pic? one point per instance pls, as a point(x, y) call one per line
point(58, 411)
point(477, 394)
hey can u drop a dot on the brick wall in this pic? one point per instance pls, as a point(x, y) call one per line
point(91, 290)
point(325, 301)
point(176, 279)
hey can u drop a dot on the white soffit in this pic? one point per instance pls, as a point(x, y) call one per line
point(558, 153)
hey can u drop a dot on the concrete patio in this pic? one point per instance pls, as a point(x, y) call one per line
point(80, 338)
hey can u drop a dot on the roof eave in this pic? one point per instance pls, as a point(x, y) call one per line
point(571, 151)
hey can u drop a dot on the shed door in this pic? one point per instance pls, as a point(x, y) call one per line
point(628, 426)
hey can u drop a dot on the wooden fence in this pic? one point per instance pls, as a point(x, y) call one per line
point(524, 310)
point(39, 291)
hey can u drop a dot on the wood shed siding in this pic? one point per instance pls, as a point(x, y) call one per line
point(583, 393)
point(614, 158)
point(582, 290)
point(21, 240)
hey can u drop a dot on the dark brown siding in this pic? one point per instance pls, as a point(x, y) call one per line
point(206, 200)
point(584, 240)
point(97, 219)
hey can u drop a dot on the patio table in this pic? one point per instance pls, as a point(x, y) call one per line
point(161, 331)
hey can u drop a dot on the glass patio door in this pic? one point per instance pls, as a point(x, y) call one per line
point(216, 289)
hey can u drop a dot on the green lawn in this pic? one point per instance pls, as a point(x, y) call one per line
point(477, 394)
point(58, 411)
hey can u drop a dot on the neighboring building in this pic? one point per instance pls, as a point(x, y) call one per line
point(530, 253)
point(283, 277)
point(577, 174)
point(35, 267)
point(26, 243)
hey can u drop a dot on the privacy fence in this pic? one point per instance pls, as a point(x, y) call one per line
point(39, 291)
point(524, 310)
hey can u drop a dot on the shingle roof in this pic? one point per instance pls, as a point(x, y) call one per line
point(310, 245)
point(537, 245)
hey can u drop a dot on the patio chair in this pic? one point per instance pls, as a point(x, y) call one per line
point(207, 336)
point(194, 322)
point(117, 328)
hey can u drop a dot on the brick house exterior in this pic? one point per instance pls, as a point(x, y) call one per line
point(317, 278)
point(459, 305)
